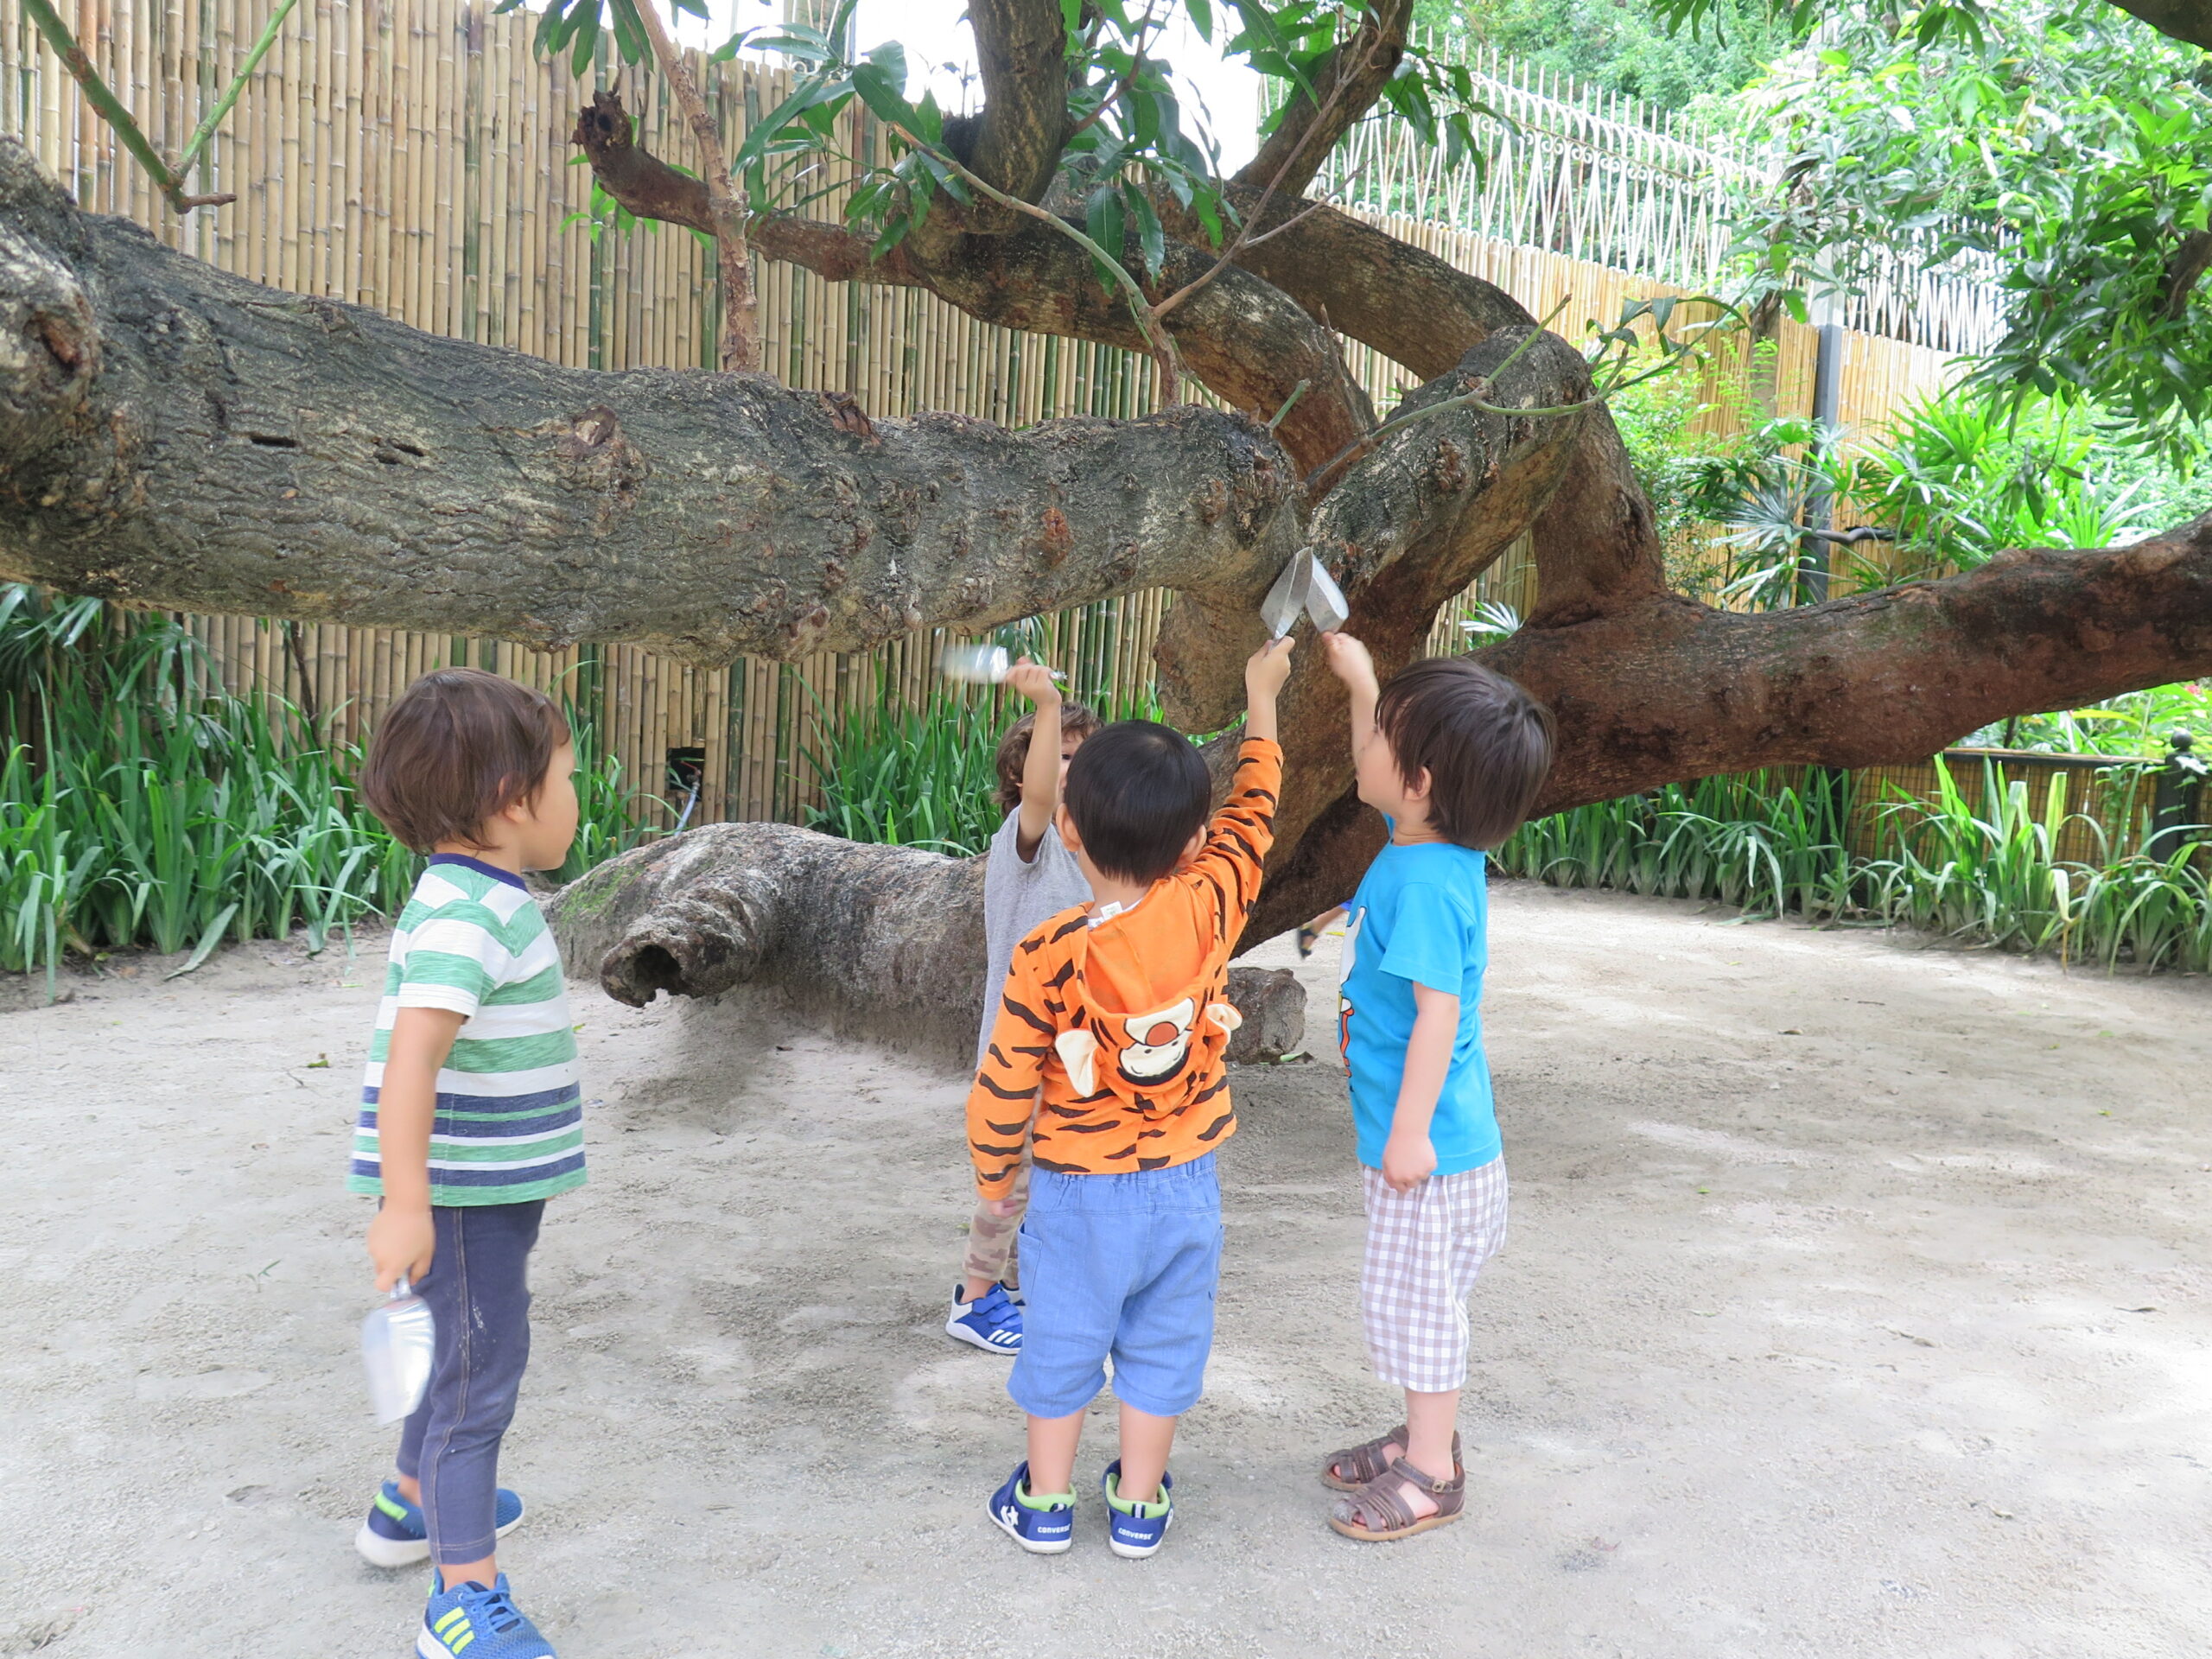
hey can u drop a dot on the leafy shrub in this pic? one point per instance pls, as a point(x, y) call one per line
point(142, 804)
point(1768, 843)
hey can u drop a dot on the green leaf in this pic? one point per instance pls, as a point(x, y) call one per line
point(1201, 18)
point(1105, 222)
point(208, 941)
point(881, 94)
point(1151, 236)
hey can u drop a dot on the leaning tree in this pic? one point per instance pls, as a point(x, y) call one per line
point(172, 436)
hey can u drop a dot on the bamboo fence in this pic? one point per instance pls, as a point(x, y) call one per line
point(2106, 800)
point(413, 155)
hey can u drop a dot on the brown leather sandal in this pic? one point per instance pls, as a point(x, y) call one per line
point(1381, 1500)
point(1365, 1461)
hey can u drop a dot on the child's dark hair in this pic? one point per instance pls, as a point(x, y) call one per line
point(1138, 792)
point(1076, 721)
point(1486, 743)
point(458, 748)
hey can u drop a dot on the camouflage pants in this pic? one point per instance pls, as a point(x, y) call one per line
point(990, 1236)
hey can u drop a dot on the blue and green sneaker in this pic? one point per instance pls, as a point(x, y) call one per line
point(395, 1534)
point(482, 1624)
point(1041, 1525)
point(1136, 1530)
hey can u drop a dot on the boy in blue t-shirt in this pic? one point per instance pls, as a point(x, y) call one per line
point(1451, 754)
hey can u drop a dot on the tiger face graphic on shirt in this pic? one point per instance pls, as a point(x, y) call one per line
point(1122, 1022)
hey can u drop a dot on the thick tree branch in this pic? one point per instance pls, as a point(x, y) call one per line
point(1408, 526)
point(1345, 85)
point(1595, 546)
point(1246, 343)
point(1670, 690)
point(1021, 53)
point(2187, 21)
point(173, 436)
point(1408, 304)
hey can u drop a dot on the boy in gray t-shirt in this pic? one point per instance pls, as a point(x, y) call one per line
point(1031, 875)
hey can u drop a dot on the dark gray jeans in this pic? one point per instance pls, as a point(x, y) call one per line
point(479, 1291)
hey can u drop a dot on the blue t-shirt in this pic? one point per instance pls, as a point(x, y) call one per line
point(1420, 916)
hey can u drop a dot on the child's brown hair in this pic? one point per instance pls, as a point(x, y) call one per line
point(1076, 720)
point(458, 749)
point(1486, 743)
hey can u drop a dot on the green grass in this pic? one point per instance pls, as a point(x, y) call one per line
point(923, 776)
point(142, 805)
point(1768, 843)
point(913, 777)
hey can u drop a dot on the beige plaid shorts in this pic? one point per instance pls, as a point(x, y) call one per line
point(1424, 1250)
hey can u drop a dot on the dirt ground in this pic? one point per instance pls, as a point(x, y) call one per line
point(1855, 1304)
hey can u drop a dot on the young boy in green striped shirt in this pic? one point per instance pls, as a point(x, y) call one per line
point(471, 1118)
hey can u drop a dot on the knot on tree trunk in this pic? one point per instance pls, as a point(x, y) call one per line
point(50, 337)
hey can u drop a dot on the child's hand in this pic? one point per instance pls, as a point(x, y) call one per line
point(401, 1243)
point(1003, 1207)
point(1034, 682)
point(1349, 661)
point(1408, 1161)
point(1266, 669)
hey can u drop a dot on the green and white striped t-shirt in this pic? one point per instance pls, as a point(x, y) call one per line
point(509, 1120)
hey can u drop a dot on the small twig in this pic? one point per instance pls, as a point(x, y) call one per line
point(1244, 238)
point(1129, 80)
point(725, 206)
point(1289, 403)
point(214, 118)
point(1162, 344)
point(112, 110)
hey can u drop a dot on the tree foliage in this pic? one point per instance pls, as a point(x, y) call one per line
point(1625, 45)
point(2063, 149)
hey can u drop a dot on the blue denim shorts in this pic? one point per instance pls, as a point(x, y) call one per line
point(1125, 1265)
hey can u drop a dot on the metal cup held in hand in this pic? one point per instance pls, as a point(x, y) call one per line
point(1305, 585)
point(397, 1340)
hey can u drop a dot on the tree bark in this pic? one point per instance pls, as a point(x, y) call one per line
point(171, 436)
point(1667, 689)
point(2187, 21)
point(885, 942)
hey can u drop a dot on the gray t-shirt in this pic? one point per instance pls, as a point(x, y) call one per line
point(1018, 896)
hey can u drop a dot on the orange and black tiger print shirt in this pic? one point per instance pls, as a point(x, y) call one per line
point(1122, 1021)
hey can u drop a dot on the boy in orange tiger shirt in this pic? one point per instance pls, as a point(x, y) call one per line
point(1110, 1034)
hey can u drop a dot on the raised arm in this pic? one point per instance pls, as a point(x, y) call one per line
point(1350, 662)
point(1041, 773)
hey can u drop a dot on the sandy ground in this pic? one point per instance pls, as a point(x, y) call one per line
point(1855, 1304)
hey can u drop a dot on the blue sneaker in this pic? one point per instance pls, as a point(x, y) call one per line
point(1136, 1530)
point(483, 1624)
point(1041, 1532)
point(395, 1534)
point(990, 1322)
